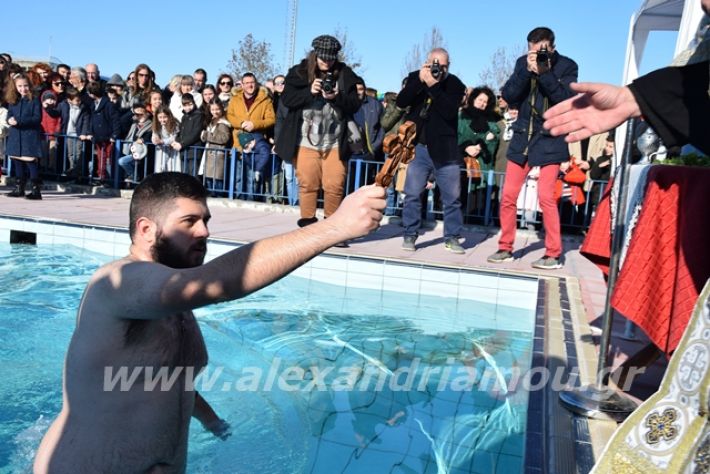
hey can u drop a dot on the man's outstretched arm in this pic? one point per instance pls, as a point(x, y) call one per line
point(146, 290)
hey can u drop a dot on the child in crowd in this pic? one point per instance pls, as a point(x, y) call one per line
point(256, 154)
point(165, 130)
point(135, 146)
point(51, 126)
point(24, 140)
point(217, 136)
point(75, 128)
point(189, 134)
point(105, 129)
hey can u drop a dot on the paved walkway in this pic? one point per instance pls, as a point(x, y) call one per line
point(246, 222)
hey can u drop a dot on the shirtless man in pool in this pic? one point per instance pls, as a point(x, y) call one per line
point(137, 312)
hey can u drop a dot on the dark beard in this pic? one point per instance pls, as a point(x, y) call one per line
point(163, 251)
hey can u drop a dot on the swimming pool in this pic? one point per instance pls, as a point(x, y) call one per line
point(393, 381)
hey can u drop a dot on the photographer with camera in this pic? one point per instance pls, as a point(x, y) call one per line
point(433, 97)
point(320, 96)
point(540, 80)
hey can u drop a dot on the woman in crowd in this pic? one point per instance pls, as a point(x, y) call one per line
point(143, 83)
point(478, 135)
point(24, 140)
point(321, 95)
point(44, 71)
point(224, 85)
point(217, 136)
point(59, 87)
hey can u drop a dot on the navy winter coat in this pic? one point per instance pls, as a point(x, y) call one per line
point(105, 121)
point(25, 138)
point(524, 89)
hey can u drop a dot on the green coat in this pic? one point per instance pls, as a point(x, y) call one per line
point(466, 137)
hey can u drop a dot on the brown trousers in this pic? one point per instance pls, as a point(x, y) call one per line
point(316, 170)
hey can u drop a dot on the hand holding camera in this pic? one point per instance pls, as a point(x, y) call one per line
point(430, 74)
point(539, 61)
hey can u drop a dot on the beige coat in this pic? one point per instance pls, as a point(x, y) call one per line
point(217, 137)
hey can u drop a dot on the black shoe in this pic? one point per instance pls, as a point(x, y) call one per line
point(408, 243)
point(304, 221)
point(15, 193)
point(35, 195)
point(19, 190)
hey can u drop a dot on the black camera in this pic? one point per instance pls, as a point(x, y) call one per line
point(435, 69)
point(328, 84)
point(543, 56)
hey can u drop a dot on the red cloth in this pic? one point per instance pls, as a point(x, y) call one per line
point(668, 260)
point(597, 243)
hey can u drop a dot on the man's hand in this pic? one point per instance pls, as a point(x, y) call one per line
point(176, 146)
point(12, 121)
point(360, 212)
point(598, 108)
point(220, 428)
point(247, 125)
point(426, 77)
point(532, 62)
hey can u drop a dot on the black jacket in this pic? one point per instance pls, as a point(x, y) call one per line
point(190, 129)
point(439, 128)
point(297, 96)
point(531, 142)
point(674, 100)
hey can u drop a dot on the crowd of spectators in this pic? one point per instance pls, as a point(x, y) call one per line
point(113, 131)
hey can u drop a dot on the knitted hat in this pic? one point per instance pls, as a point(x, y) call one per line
point(48, 95)
point(116, 80)
point(245, 139)
point(326, 47)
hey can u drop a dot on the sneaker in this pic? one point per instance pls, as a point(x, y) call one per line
point(500, 257)
point(452, 245)
point(547, 263)
point(408, 243)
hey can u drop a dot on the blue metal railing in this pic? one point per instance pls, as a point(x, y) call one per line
point(76, 160)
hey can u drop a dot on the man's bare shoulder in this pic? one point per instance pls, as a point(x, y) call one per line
point(123, 286)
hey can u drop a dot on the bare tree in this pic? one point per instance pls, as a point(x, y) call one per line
point(418, 54)
point(347, 53)
point(501, 66)
point(252, 56)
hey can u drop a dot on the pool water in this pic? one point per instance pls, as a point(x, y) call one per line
point(384, 381)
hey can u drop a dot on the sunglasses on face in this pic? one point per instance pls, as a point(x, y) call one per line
point(58, 84)
point(279, 83)
point(225, 83)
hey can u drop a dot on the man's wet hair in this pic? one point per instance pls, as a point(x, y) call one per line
point(153, 197)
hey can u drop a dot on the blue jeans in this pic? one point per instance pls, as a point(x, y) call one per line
point(127, 163)
point(448, 179)
point(291, 182)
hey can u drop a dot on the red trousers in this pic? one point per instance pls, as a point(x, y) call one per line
point(515, 175)
point(103, 152)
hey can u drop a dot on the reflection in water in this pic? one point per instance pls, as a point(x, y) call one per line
point(375, 390)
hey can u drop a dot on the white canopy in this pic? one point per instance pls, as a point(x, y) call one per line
point(657, 15)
